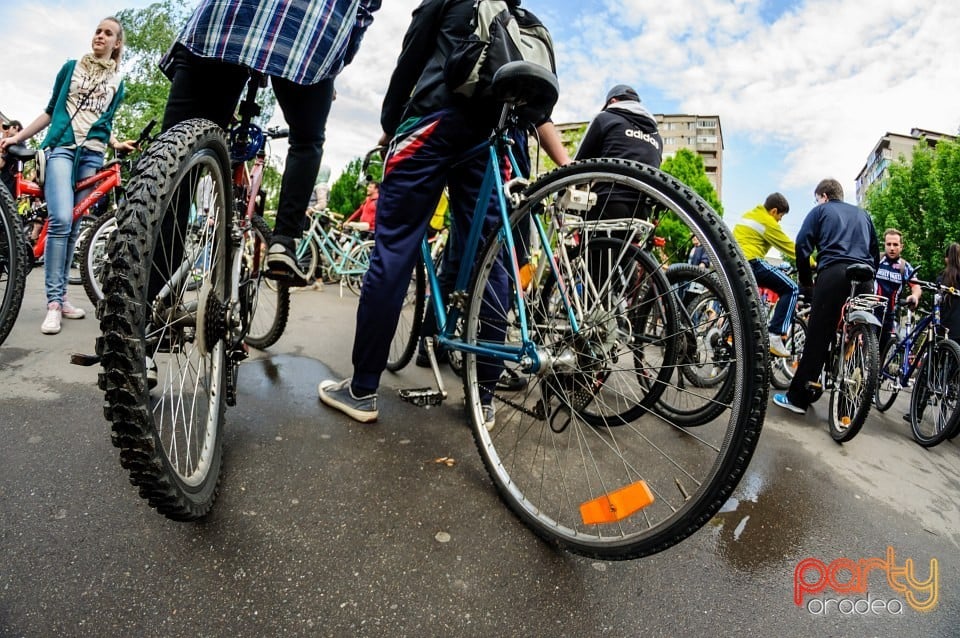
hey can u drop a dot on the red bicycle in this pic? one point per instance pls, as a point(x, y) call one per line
point(92, 241)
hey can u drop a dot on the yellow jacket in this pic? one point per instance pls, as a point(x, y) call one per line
point(758, 231)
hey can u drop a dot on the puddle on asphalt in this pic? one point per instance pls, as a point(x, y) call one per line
point(768, 517)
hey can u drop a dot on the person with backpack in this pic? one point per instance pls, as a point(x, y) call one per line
point(429, 127)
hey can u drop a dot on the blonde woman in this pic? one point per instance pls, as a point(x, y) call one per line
point(80, 115)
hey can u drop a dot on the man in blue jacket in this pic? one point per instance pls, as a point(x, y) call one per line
point(841, 234)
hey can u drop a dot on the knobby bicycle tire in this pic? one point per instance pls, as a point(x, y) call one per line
point(93, 252)
point(891, 361)
point(857, 368)
point(934, 416)
point(15, 262)
point(407, 335)
point(271, 301)
point(166, 376)
point(577, 483)
point(704, 383)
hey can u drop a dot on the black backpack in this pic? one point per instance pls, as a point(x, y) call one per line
point(502, 33)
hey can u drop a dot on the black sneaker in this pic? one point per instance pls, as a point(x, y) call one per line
point(339, 395)
point(282, 265)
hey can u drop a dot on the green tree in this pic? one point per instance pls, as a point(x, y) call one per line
point(687, 167)
point(345, 195)
point(349, 190)
point(149, 32)
point(921, 198)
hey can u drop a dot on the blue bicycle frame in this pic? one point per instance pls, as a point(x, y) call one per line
point(526, 353)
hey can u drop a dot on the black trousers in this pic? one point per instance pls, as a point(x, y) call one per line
point(211, 89)
point(829, 295)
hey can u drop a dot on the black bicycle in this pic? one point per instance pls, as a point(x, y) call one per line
point(15, 262)
point(936, 393)
point(853, 366)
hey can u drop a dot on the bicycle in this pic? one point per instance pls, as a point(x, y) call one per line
point(576, 454)
point(782, 369)
point(335, 254)
point(936, 393)
point(14, 263)
point(852, 365)
point(184, 298)
point(105, 181)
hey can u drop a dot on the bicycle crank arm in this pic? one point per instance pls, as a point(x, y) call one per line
point(432, 355)
point(80, 359)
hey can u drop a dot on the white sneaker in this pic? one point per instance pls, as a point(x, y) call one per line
point(69, 311)
point(777, 347)
point(51, 323)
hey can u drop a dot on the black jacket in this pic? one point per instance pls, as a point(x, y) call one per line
point(626, 130)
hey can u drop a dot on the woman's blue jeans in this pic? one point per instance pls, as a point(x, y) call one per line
point(61, 198)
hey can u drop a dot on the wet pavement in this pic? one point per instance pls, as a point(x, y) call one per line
point(325, 527)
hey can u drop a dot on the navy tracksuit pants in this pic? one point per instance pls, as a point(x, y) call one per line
point(425, 155)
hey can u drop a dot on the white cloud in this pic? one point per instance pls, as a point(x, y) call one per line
point(820, 84)
point(823, 82)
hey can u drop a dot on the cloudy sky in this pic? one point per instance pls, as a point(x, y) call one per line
point(804, 90)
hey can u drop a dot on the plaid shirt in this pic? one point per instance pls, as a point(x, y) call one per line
point(304, 41)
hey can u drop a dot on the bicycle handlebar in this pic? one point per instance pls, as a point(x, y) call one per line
point(364, 177)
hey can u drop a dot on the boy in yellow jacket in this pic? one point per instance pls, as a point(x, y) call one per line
point(756, 233)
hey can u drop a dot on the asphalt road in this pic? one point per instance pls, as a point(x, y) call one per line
point(325, 527)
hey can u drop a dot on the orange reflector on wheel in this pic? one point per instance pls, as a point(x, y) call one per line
point(617, 505)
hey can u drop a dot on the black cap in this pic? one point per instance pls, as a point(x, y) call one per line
point(621, 92)
point(13, 123)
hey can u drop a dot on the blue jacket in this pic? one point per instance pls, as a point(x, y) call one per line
point(839, 233)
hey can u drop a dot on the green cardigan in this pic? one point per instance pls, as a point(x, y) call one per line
point(60, 132)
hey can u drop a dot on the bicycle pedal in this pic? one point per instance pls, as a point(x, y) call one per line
point(814, 385)
point(422, 397)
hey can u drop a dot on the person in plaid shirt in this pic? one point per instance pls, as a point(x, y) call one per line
point(301, 45)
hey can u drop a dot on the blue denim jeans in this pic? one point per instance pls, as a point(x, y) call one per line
point(61, 198)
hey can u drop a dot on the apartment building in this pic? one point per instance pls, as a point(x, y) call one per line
point(891, 148)
point(699, 133)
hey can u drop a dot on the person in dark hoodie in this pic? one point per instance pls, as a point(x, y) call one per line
point(624, 129)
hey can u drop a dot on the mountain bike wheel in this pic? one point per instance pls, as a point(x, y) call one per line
point(888, 383)
point(14, 263)
point(854, 382)
point(407, 335)
point(93, 253)
point(358, 261)
point(701, 389)
point(933, 405)
point(782, 369)
point(609, 490)
point(268, 301)
point(166, 321)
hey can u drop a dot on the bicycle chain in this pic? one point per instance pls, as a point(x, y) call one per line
point(516, 406)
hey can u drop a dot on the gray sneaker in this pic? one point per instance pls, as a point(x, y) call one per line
point(339, 395)
point(489, 416)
